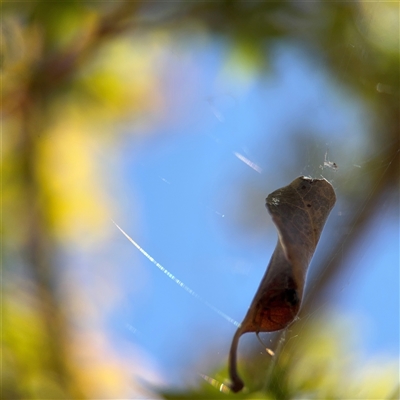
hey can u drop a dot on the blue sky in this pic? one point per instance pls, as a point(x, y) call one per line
point(198, 209)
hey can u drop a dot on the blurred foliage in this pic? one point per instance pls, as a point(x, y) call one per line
point(73, 74)
point(314, 365)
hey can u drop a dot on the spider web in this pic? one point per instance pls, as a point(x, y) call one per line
point(201, 188)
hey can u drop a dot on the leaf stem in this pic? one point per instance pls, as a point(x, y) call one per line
point(236, 382)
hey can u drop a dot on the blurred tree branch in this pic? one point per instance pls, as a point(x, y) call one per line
point(333, 263)
point(57, 68)
point(40, 249)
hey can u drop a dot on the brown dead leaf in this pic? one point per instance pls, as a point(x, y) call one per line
point(299, 212)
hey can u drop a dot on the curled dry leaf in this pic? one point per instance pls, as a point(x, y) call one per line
point(299, 212)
